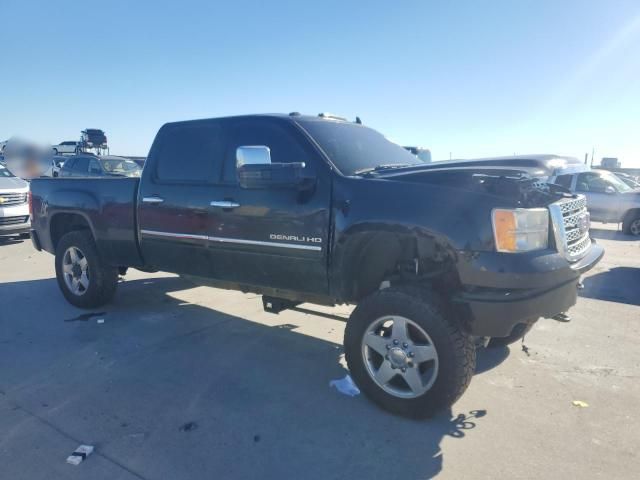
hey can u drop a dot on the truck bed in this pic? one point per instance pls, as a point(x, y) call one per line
point(106, 205)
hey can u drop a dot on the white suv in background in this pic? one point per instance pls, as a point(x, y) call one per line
point(66, 147)
point(14, 207)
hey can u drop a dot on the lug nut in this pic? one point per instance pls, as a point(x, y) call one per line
point(404, 369)
point(396, 342)
point(388, 347)
point(405, 345)
point(411, 354)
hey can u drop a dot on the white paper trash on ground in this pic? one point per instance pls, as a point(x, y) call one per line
point(346, 386)
point(82, 452)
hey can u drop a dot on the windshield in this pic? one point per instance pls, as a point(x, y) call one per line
point(614, 180)
point(4, 172)
point(120, 167)
point(353, 148)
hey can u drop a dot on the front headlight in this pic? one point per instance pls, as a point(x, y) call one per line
point(520, 229)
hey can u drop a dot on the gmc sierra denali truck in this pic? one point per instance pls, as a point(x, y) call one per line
point(318, 209)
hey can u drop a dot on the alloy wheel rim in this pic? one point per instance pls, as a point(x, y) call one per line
point(635, 227)
point(75, 270)
point(399, 356)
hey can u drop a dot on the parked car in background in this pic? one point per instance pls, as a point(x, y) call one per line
point(66, 147)
point(14, 207)
point(86, 165)
point(629, 180)
point(55, 164)
point(609, 198)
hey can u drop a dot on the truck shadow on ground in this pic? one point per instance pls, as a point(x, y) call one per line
point(603, 234)
point(619, 284)
point(176, 390)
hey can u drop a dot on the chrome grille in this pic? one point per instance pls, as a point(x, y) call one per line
point(13, 220)
point(571, 223)
point(9, 199)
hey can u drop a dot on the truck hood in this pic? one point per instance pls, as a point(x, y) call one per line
point(515, 184)
point(12, 183)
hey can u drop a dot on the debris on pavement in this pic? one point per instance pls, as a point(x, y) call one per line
point(82, 452)
point(83, 317)
point(580, 403)
point(345, 386)
point(188, 427)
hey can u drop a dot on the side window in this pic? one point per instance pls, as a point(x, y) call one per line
point(69, 163)
point(81, 165)
point(284, 146)
point(564, 180)
point(94, 166)
point(190, 153)
point(591, 182)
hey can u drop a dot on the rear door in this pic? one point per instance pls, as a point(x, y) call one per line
point(175, 195)
point(272, 237)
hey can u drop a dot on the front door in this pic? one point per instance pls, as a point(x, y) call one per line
point(272, 237)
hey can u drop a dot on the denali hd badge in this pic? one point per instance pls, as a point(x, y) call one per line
point(295, 238)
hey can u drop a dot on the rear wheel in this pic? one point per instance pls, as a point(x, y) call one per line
point(85, 279)
point(405, 355)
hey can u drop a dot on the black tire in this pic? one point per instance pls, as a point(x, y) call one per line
point(455, 350)
point(103, 278)
point(517, 334)
point(630, 224)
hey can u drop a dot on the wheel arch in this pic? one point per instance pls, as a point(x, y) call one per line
point(62, 223)
point(367, 258)
point(628, 217)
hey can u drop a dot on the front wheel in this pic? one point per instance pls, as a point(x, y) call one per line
point(406, 355)
point(84, 278)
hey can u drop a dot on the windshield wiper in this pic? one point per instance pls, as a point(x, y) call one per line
point(378, 168)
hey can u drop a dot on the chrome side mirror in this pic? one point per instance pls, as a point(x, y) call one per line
point(253, 155)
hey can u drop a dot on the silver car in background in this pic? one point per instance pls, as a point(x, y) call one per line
point(14, 207)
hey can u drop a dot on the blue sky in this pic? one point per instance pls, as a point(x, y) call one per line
point(466, 78)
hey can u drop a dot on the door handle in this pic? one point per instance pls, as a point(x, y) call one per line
point(153, 199)
point(224, 204)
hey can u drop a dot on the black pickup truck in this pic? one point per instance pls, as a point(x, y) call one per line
point(318, 209)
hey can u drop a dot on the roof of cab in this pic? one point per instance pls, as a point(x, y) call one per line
point(293, 116)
